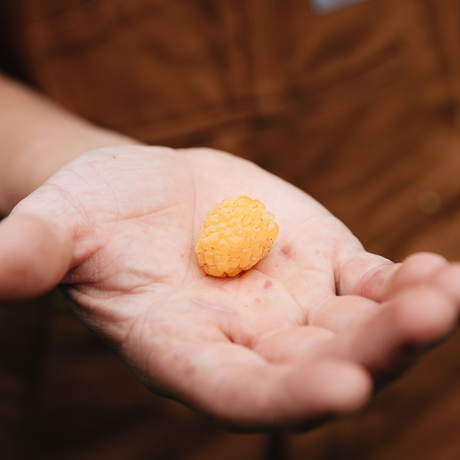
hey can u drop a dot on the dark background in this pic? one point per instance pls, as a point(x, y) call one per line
point(359, 108)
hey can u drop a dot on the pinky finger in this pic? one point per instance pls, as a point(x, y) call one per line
point(241, 390)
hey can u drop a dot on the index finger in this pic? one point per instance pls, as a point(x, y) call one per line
point(377, 278)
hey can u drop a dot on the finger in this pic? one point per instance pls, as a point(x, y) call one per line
point(447, 279)
point(340, 312)
point(414, 318)
point(236, 386)
point(292, 345)
point(35, 254)
point(377, 278)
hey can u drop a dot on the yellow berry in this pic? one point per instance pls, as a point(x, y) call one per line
point(246, 221)
point(238, 230)
point(223, 246)
point(213, 220)
point(229, 202)
point(234, 272)
point(243, 201)
point(204, 243)
point(209, 257)
point(268, 216)
point(259, 205)
point(254, 244)
point(220, 257)
point(236, 213)
point(226, 233)
point(235, 241)
point(273, 231)
point(209, 230)
point(233, 263)
point(220, 226)
point(245, 254)
point(213, 240)
point(224, 217)
point(234, 223)
point(234, 253)
point(249, 232)
point(223, 267)
point(236, 234)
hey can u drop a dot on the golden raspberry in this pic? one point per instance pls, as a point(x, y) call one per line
point(236, 234)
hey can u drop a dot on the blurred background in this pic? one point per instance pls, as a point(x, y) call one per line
point(355, 102)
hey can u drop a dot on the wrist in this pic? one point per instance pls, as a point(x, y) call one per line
point(38, 138)
point(34, 165)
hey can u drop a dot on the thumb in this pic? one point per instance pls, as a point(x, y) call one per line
point(35, 254)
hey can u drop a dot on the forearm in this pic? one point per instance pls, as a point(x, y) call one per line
point(37, 138)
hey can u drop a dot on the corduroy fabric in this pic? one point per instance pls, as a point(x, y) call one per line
point(358, 107)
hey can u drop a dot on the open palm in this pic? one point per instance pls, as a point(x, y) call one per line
point(299, 337)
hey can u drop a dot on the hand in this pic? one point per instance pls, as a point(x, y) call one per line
point(303, 335)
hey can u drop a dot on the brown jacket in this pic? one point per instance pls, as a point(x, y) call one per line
point(358, 107)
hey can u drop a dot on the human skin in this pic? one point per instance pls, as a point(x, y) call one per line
point(306, 334)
